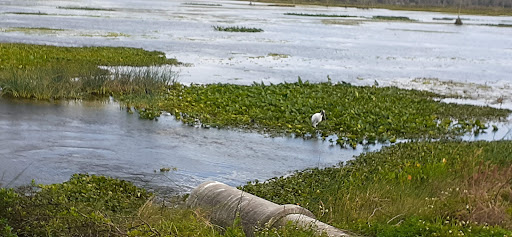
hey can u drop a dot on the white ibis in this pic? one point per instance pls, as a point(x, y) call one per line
point(317, 118)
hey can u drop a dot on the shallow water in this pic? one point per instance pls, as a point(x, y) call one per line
point(50, 141)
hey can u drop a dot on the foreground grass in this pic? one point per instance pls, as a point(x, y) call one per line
point(357, 115)
point(90, 205)
point(412, 189)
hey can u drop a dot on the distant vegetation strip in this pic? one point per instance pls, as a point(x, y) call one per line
point(202, 4)
point(85, 8)
point(237, 29)
point(474, 7)
point(411, 189)
point(317, 15)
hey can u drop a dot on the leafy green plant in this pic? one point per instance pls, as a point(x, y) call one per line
point(237, 29)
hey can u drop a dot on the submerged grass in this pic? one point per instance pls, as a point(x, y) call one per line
point(357, 115)
point(409, 189)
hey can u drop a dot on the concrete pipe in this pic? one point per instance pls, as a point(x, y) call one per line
point(227, 203)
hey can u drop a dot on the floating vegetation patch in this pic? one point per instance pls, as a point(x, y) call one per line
point(28, 13)
point(425, 31)
point(499, 25)
point(107, 35)
point(341, 22)
point(86, 8)
point(202, 4)
point(448, 19)
point(317, 15)
point(357, 115)
point(392, 18)
point(237, 29)
point(409, 189)
point(278, 56)
point(34, 30)
point(281, 5)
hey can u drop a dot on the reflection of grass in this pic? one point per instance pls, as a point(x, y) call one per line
point(237, 29)
point(86, 8)
point(317, 15)
point(410, 189)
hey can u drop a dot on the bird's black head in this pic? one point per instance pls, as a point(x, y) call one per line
point(324, 117)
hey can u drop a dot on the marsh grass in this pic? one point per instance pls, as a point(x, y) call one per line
point(237, 29)
point(48, 72)
point(423, 188)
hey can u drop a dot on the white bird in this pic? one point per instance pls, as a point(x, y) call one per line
point(317, 118)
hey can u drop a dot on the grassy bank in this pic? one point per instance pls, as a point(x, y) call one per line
point(357, 115)
point(413, 189)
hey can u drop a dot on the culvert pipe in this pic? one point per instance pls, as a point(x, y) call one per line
point(226, 203)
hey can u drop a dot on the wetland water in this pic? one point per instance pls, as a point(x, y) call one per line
point(51, 141)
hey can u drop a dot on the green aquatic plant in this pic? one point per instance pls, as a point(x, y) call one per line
point(237, 29)
point(409, 189)
point(356, 115)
